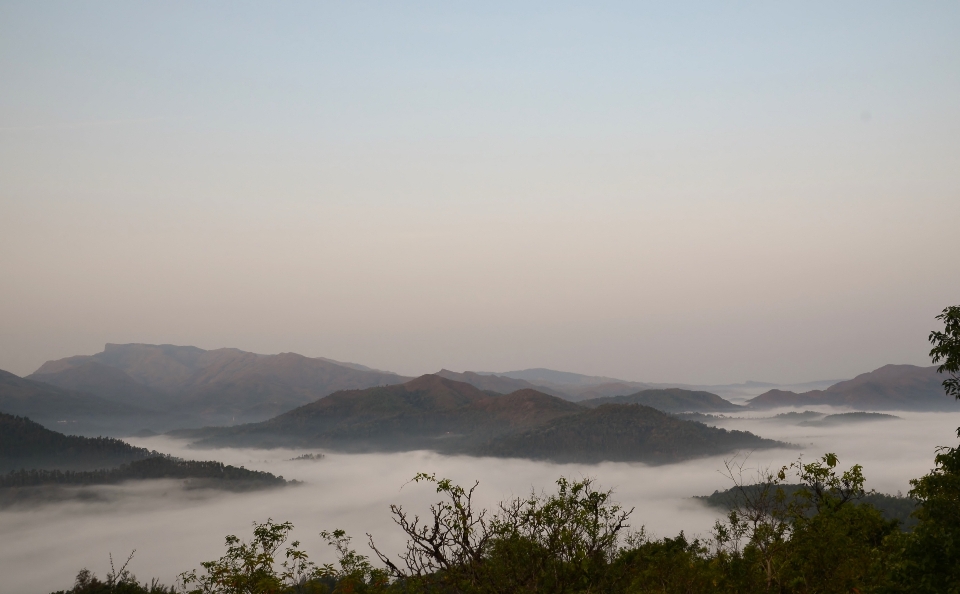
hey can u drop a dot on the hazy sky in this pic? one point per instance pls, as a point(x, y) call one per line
point(678, 193)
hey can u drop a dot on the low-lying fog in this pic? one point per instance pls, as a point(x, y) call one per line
point(172, 530)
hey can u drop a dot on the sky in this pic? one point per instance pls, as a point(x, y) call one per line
point(684, 192)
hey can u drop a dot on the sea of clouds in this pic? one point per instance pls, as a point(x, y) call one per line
point(172, 530)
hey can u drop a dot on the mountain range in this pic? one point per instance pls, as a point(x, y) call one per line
point(441, 414)
point(131, 387)
point(184, 385)
point(891, 387)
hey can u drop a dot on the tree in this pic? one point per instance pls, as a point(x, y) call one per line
point(932, 556)
point(543, 543)
point(249, 568)
point(946, 349)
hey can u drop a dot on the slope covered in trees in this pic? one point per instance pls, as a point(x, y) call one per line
point(157, 467)
point(623, 432)
point(26, 444)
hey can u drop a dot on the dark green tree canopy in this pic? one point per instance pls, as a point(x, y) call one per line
point(946, 349)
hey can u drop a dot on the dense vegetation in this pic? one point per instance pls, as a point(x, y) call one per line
point(622, 432)
point(850, 417)
point(893, 507)
point(159, 467)
point(26, 444)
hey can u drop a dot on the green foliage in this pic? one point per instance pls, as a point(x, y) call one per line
point(449, 548)
point(931, 561)
point(255, 567)
point(355, 573)
point(250, 568)
point(946, 348)
point(558, 542)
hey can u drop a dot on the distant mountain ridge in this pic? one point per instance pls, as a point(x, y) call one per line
point(578, 387)
point(672, 400)
point(891, 387)
point(499, 383)
point(623, 433)
point(437, 413)
point(213, 387)
point(25, 397)
point(541, 375)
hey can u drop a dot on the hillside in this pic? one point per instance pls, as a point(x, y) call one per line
point(428, 412)
point(110, 383)
point(541, 376)
point(211, 387)
point(51, 404)
point(893, 507)
point(574, 386)
point(594, 391)
point(891, 387)
point(26, 444)
point(202, 474)
point(498, 383)
point(848, 418)
point(672, 400)
point(621, 433)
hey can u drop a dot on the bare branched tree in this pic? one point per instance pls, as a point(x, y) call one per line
point(455, 536)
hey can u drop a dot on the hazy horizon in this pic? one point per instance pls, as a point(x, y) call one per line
point(688, 193)
point(746, 382)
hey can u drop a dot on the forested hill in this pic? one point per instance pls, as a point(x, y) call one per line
point(669, 400)
point(206, 473)
point(623, 432)
point(893, 507)
point(26, 444)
